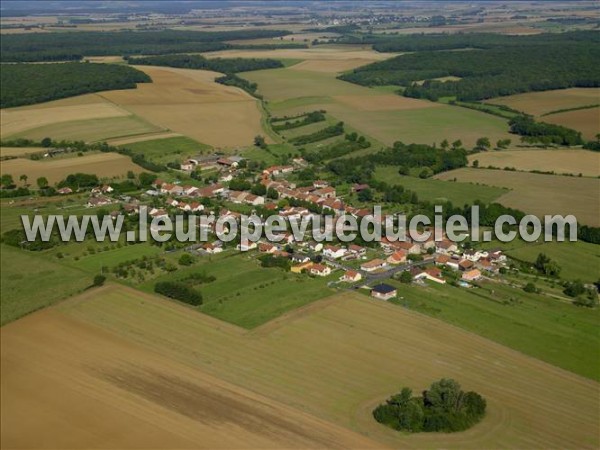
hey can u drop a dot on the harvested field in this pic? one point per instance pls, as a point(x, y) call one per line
point(143, 138)
point(538, 103)
point(90, 106)
point(587, 121)
point(331, 65)
point(560, 161)
point(86, 388)
point(321, 52)
point(92, 130)
point(104, 165)
point(19, 151)
point(540, 194)
point(189, 102)
point(336, 360)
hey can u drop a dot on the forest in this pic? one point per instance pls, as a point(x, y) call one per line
point(490, 72)
point(62, 47)
point(25, 84)
point(224, 65)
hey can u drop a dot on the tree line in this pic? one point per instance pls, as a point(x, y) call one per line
point(25, 84)
point(29, 47)
point(224, 65)
point(325, 133)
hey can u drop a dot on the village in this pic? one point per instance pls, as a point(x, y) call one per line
point(346, 266)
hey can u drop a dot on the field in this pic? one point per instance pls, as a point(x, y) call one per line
point(539, 194)
point(432, 190)
point(384, 116)
point(335, 360)
point(587, 121)
point(167, 149)
point(81, 108)
point(189, 102)
point(30, 283)
point(247, 295)
point(538, 103)
point(104, 165)
point(577, 260)
point(560, 161)
point(19, 151)
point(93, 389)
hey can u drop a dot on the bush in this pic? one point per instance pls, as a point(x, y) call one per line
point(99, 280)
point(186, 260)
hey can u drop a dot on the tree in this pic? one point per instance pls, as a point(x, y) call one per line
point(406, 277)
point(186, 259)
point(444, 144)
point(7, 181)
point(99, 280)
point(46, 142)
point(574, 289)
point(42, 182)
point(366, 195)
point(457, 144)
point(483, 143)
point(530, 288)
point(425, 173)
point(444, 395)
point(146, 179)
point(476, 163)
point(23, 178)
point(259, 141)
point(130, 175)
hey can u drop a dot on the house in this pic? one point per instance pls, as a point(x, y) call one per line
point(442, 260)
point(433, 274)
point(172, 189)
point(266, 247)
point(225, 177)
point(471, 275)
point(275, 171)
point(158, 213)
point(300, 267)
point(411, 248)
point(228, 162)
point(357, 250)
point(64, 191)
point(98, 201)
point(331, 251)
point(212, 248)
point(187, 166)
point(315, 247)
point(496, 255)
point(466, 265)
point(196, 207)
point(247, 246)
point(320, 184)
point(254, 200)
point(104, 189)
point(131, 209)
point(326, 192)
point(383, 291)
point(300, 162)
point(360, 187)
point(373, 265)
point(486, 264)
point(351, 276)
point(398, 257)
point(319, 270)
point(446, 247)
point(299, 258)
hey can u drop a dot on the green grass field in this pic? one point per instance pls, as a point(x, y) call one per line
point(578, 260)
point(91, 130)
point(553, 331)
point(30, 281)
point(246, 294)
point(169, 149)
point(431, 190)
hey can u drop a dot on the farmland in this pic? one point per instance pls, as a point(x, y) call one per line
point(587, 121)
point(336, 361)
point(559, 161)
point(104, 165)
point(538, 103)
point(246, 294)
point(189, 102)
point(167, 149)
point(431, 189)
point(539, 194)
point(384, 116)
point(30, 283)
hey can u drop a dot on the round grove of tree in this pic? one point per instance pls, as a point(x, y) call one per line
point(444, 407)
